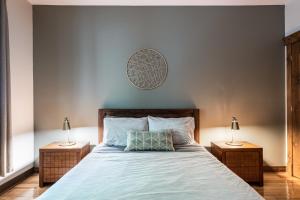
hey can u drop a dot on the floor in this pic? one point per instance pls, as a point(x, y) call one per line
point(277, 187)
point(25, 190)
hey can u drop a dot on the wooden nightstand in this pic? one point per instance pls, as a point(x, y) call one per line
point(57, 160)
point(246, 161)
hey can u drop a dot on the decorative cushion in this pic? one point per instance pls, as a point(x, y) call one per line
point(115, 129)
point(182, 128)
point(149, 141)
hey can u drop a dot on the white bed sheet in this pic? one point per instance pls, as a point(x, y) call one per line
point(190, 173)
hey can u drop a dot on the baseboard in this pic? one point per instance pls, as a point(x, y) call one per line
point(12, 182)
point(274, 168)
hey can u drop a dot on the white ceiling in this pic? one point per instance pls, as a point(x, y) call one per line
point(158, 2)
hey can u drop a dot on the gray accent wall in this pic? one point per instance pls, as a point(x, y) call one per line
point(226, 61)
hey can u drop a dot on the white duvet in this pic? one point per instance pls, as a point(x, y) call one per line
point(190, 173)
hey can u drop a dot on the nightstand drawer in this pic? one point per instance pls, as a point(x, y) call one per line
point(242, 159)
point(60, 159)
point(249, 174)
point(53, 174)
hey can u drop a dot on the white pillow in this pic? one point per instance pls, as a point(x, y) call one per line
point(115, 129)
point(183, 128)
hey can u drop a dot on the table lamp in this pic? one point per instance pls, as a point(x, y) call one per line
point(234, 128)
point(66, 128)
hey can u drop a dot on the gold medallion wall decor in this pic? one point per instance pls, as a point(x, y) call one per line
point(147, 69)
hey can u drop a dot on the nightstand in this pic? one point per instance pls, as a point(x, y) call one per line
point(246, 161)
point(57, 160)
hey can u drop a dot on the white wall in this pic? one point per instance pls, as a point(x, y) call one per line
point(292, 16)
point(21, 64)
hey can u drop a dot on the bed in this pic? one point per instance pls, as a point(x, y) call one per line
point(190, 172)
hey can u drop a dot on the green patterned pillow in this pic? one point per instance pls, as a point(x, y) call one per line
point(149, 141)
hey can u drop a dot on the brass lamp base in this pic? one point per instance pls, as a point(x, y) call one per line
point(234, 143)
point(67, 144)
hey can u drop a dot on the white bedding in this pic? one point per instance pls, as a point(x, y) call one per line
point(190, 173)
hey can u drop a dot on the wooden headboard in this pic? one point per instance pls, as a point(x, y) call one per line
point(167, 113)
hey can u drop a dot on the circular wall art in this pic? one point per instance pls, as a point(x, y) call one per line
point(147, 69)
